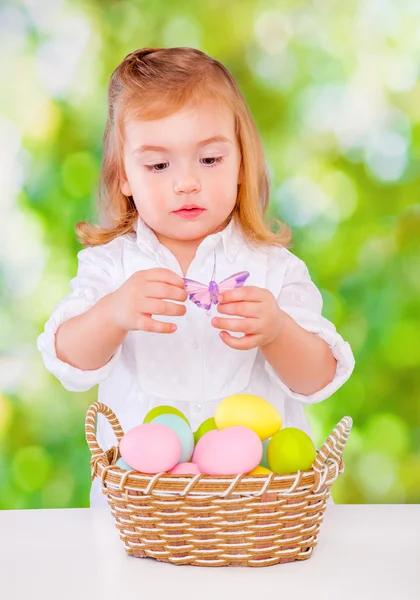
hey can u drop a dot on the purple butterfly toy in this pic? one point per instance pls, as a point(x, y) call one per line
point(205, 295)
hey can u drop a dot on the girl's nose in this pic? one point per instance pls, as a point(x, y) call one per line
point(187, 185)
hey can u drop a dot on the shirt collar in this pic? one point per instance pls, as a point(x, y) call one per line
point(231, 238)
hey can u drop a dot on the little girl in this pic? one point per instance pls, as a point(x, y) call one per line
point(184, 190)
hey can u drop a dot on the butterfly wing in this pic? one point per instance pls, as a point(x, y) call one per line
point(198, 293)
point(193, 287)
point(234, 281)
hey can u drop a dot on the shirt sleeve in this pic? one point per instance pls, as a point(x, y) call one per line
point(300, 298)
point(95, 278)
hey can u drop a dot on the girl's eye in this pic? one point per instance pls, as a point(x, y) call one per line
point(159, 167)
point(217, 160)
point(155, 168)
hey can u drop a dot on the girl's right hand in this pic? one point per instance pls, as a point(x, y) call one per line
point(144, 294)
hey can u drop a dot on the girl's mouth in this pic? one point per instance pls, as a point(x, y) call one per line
point(189, 213)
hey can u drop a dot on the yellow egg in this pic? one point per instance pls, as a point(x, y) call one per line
point(249, 411)
point(260, 471)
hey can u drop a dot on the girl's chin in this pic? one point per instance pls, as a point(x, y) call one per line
point(188, 230)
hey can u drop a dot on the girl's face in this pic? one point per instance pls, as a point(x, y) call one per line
point(189, 159)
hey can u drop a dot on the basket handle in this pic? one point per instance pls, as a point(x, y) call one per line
point(93, 410)
point(334, 446)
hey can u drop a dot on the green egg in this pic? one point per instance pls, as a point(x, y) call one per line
point(207, 425)
point(290, 450)
point(164, 410)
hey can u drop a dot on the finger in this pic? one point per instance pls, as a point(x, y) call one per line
point(155, 289)
point(164, 276)
point(242, 309)
point(240, 325)
point(251, 293)
point(153, 306)
point(244, 343)
point(146, 323)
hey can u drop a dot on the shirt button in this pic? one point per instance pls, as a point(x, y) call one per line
point(198, 407)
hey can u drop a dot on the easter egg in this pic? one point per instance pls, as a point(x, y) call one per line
point(183, 431)
point(260, 471)
point(151, 448)
point(188, 468)
point(205, 426)
point(290, 450)
point(163, 410)
point(230, 451)
point(264, 461)
point(123, 465)
point(249, 411)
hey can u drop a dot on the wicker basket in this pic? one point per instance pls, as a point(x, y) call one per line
point(205, 520)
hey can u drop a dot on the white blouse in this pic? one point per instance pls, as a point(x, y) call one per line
point(191, 369)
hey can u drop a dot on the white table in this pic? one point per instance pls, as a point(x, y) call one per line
point(365, 552)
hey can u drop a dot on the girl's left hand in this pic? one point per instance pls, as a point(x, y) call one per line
point(262, 317)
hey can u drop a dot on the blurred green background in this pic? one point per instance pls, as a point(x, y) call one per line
point(335, 93)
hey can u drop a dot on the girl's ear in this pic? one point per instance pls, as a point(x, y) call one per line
point(125, 187)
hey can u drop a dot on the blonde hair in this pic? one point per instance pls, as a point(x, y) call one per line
point(153, 83)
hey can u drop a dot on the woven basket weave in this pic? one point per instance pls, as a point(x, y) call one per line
point(205, 520)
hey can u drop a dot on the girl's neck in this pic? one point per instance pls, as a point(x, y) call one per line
point(184, 250)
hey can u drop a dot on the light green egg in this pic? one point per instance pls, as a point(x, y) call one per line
point(123, 465)
point(183, 431)
point(264, 460)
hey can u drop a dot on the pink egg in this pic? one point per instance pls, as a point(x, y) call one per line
point(230, 451)
point(186, 468)
point(151, 448)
